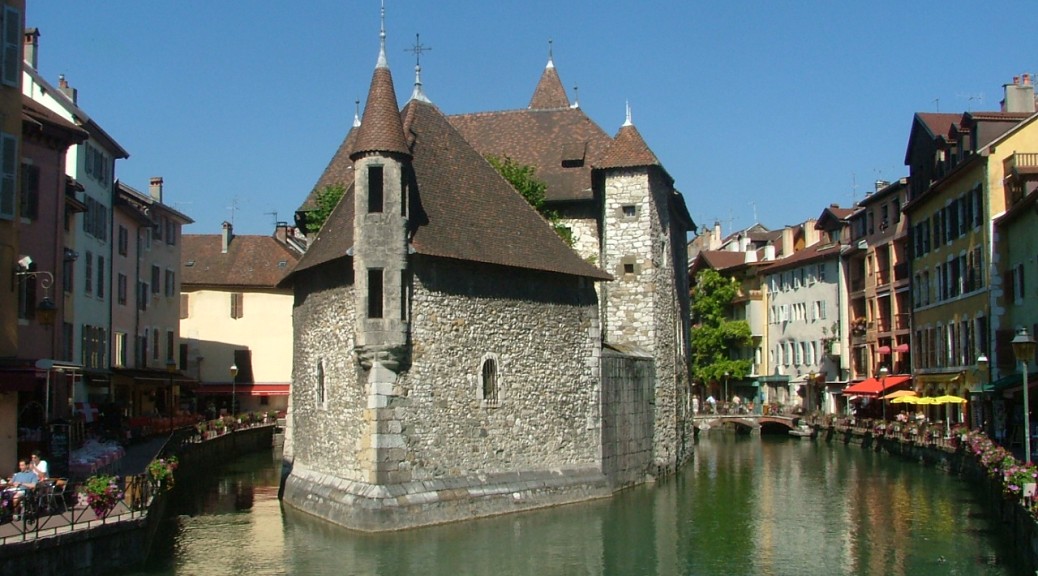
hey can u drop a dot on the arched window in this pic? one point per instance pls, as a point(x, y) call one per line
point(488, 381)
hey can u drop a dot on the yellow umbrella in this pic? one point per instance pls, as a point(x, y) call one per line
point(899, 394)
point(926, 400)
point(906, 400)
point(948, 399)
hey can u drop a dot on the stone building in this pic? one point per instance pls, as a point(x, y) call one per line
point(454, 357)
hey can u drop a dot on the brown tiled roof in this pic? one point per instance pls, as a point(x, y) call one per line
point(562, 144)
point(722, 259)
point(462, 209)
point(549, 92)
point(250, 261)
point(380, 128)
point(339, 171)
point(471, 212)
point(807, 255)
point(627, 150)
point(37, 117)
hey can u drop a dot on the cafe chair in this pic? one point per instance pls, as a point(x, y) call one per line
point(51, 495)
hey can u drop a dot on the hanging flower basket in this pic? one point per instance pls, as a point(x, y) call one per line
point(102, 494)
point(160, 472)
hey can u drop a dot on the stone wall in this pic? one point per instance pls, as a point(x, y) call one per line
point(628, 418)
point(442, 450)
point(324, 326)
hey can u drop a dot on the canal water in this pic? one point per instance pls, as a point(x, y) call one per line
point(747, 505)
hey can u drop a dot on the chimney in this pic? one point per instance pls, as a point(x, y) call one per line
point(811, 235)
point(881, 184)
point(281, 232)
point(715, 239)
point(32, 44)
point(750, 256)
point(1019, 96)
point(228, 233)
point(787, 241)
point(769, 252)
point(155, 188)
point(67, 90)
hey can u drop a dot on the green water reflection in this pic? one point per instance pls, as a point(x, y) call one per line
point(767, 506)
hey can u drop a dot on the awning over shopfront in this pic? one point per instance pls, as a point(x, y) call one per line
point(1011, 383)
point(246, 389)
point(875, 386)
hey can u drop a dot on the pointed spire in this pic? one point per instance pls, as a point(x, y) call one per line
point(356, 113)
point(576, 97)
point(382, 61)
point(628, 122)
point(549, 93)
point(418, 48)
point(381, 129)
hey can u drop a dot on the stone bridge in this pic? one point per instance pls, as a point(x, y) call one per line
point(753, 423)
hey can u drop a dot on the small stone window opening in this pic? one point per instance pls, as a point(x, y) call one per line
point(489, 382)
point(375, 293)
point(629, 210)
point(321, 398)
point(375, 189)
point(629, 268)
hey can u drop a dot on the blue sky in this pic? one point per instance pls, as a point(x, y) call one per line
point(770, 108)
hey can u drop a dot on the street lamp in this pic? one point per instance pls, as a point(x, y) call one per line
point(171, 369)
point(1023, 349)
point(234, 381)
point(982, 367)
point(883, 388)
point(726, 375)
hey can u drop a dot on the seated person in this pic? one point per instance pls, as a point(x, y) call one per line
point(39, 465)
point(21, 483)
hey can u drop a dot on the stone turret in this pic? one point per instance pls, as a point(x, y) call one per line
point(381, 160)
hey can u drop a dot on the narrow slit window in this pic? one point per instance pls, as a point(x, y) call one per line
point(375, 189)
point(375, 293)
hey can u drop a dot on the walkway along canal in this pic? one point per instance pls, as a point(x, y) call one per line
point(74, 539)
point(767, 505)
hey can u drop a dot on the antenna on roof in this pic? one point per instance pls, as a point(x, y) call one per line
point(937, 104)
point(970, 98)
point(754, 205)
point(274, 214)
point(233, 208)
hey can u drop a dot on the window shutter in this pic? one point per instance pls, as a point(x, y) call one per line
point(8, 166)
point(12, 47)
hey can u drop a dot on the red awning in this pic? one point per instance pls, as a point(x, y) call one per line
point(246, 389)
point(902, 348)
point(883, 350)
point(875, 386)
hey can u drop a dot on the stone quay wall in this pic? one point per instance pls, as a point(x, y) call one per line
point(1017, 524)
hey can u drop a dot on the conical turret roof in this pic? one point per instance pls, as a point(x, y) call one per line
point(380, 128)
point(549, 92)
point(628, 150)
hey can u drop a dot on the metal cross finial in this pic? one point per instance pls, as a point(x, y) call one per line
point(417, 50)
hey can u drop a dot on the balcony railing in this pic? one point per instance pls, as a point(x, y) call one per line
point(1022, 163)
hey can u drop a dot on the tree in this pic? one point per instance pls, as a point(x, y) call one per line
point(325, 200)
point(714, 334)
point(521, 177)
